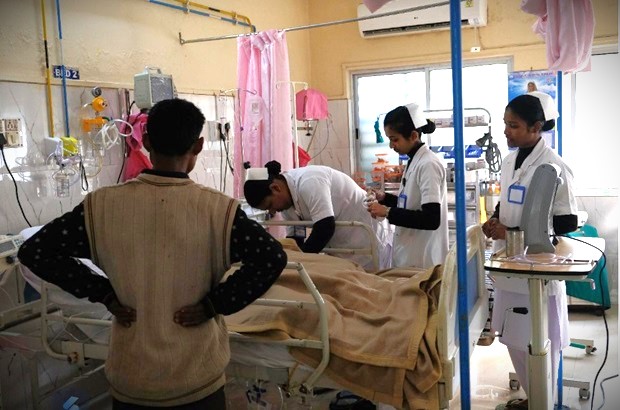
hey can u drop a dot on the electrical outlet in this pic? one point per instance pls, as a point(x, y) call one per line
point(12, 130)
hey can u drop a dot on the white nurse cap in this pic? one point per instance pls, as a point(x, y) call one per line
point(256, 174)
point(417, 115)
point(548, 105)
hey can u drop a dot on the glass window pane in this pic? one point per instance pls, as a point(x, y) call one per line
point(376, 96)
point(484, 86)
point(591, 149)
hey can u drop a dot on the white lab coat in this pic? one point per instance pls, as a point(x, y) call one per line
point(512, 292)
point(424, 182)
point(319, 192)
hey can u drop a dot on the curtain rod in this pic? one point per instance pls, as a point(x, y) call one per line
point(317, 25)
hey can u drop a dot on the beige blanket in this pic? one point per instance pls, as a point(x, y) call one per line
point(382, 327)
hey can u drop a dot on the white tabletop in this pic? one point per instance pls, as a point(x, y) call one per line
point(572, 259)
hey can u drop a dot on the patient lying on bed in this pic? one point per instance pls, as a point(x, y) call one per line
point(382, 327)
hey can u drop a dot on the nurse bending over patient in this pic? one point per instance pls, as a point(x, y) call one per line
point(322, 195)
point(420, 209)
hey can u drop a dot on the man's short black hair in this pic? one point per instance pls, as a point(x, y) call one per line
point(173, 126)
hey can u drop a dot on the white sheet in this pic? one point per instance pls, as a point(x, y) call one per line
point(71, 305)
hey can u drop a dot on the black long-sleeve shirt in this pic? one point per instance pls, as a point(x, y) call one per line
point(428, 218)
point(53, 251)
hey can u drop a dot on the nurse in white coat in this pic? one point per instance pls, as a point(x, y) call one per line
point(526, 116)
point(322, 195)
point(420, 210)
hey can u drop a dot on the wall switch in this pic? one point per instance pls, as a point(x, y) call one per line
point(12, 130)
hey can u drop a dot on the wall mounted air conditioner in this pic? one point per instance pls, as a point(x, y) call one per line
point(473, 14)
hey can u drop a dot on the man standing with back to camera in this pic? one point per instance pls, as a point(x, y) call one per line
point(164, 243)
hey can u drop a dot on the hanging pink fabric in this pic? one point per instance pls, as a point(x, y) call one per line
point(568, 30)
point(311, 104)
point(136, 160)
point(263, 69)
point(304, 157)
point(374, 5)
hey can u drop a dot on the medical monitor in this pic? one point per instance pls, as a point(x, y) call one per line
point(536, 219)
point(151, 86)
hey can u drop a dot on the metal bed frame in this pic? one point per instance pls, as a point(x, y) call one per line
point(307, 379)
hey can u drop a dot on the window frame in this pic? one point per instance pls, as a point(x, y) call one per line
point(356, 75)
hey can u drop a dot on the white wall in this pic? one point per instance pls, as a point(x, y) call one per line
point(27, 102)
point(109, 42)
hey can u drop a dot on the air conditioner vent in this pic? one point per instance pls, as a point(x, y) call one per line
point(394, 31)
point(473, 14)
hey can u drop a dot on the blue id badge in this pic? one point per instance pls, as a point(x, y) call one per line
point(516, 194)
point(402, 201)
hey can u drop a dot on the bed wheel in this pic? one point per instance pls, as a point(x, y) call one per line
point(584, 394)
point(514, 384)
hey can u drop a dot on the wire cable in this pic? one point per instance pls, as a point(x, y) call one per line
point(603, 390)
point(124, 145)
point(328, 123)
point(604, 263)
point(123, 154)
point(6, 164)
point(83, 176)
point(493, 156)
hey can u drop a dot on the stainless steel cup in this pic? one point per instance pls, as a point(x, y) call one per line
point(515, 242)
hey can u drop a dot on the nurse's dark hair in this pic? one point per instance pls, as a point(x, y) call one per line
point(255, 190)
point(529, 109)
point(400, 121)
point(173, 126)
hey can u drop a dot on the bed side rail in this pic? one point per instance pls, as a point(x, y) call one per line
point(447, 335)
point(319, 304)
point(76, 352)
point(73, 352)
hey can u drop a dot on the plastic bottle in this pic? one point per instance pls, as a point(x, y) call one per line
point(62, 184)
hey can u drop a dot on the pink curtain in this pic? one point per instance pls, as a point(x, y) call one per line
point(374, 5)
point(568, 30)
point(263, 131)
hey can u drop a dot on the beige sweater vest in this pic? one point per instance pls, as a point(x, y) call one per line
point(163, 243)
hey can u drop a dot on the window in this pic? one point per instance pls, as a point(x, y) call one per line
point(590, 142)
point(484, 86)
point(376, 95)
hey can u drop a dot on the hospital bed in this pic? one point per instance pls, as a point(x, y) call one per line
point(266, 353)
point(279, 362)
point(355, 227)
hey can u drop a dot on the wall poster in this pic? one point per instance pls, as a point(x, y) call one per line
point(521, 82)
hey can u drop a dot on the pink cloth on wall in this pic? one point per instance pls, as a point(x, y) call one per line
point(568, 30)
point(311, 104)
point(136, 161)
point(262, 68)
